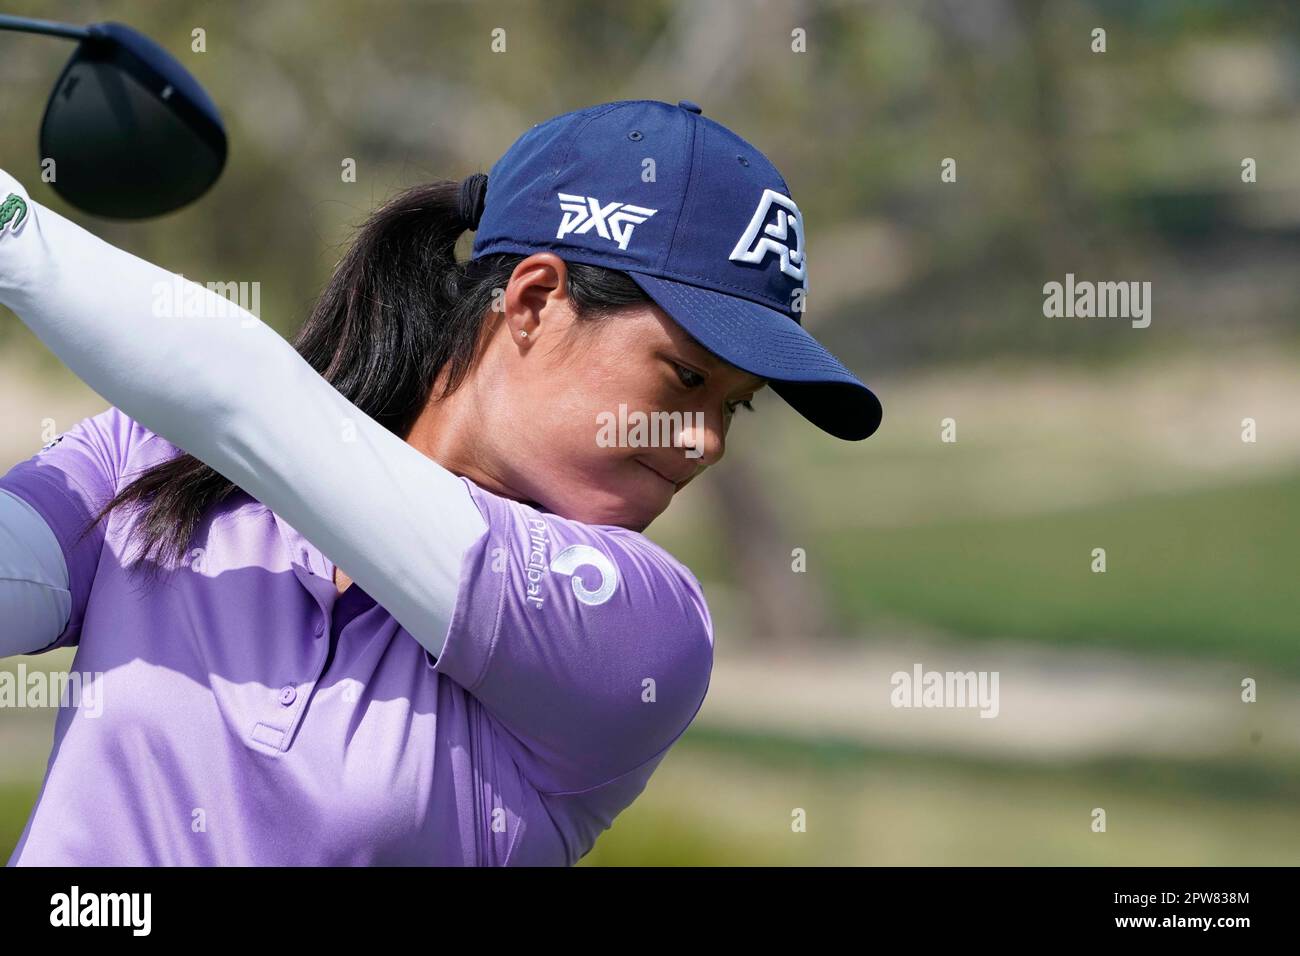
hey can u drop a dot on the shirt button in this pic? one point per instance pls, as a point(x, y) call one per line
point(320, 628)
point(288, 695)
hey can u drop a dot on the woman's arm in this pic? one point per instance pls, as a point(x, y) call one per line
point(214, 380)
point(591, 646)
point(35, 602)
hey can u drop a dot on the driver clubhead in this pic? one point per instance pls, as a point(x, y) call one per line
point(132, 134)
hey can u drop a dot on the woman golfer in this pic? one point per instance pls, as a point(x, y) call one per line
point(381, 596)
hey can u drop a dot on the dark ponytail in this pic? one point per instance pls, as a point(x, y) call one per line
point(398, 310)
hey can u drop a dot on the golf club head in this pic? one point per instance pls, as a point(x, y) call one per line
point(131, 132)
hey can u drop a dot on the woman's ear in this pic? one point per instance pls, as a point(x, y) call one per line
point(536, 286)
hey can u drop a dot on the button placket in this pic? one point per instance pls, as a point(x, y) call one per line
point(299, 696)
point(280, 725)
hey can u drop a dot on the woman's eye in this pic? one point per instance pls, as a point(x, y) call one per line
point(690, 378)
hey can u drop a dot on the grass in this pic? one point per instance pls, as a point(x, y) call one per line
point(723, 800)
point(16, 802)
point(728, 799)
point(1208, 572)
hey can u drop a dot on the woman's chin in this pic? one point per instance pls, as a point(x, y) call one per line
point(635, 510)
point(632, 499)
point(633, 515)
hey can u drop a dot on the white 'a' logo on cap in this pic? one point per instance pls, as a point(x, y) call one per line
point(769, 230)
point(613, 221)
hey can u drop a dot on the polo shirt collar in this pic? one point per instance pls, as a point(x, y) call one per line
point(310, 566)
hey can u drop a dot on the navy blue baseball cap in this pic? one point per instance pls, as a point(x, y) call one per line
point(712, 236)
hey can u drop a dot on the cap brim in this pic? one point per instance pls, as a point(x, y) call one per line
point(769, 344)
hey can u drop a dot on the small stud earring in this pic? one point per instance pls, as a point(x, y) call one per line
point(523, 334)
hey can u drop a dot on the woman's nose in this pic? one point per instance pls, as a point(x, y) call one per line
point(704, 438)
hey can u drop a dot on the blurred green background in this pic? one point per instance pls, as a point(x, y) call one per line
point(1119, 690)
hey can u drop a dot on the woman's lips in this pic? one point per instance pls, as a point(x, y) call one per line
point(677, 485)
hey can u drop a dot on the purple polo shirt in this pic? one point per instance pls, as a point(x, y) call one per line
point(249, 714)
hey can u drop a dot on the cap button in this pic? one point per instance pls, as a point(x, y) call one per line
point(688, 105)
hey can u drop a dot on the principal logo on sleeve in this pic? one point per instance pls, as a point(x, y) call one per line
point(570, 561)
point(584, 555)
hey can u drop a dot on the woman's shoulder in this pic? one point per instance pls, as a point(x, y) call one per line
point(98, 452)
point(136, 446)
point(113, 428)
point(563, 545)
point(106, 451)
point(494, 506)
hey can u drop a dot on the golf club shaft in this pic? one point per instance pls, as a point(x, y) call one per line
point(46, 27)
